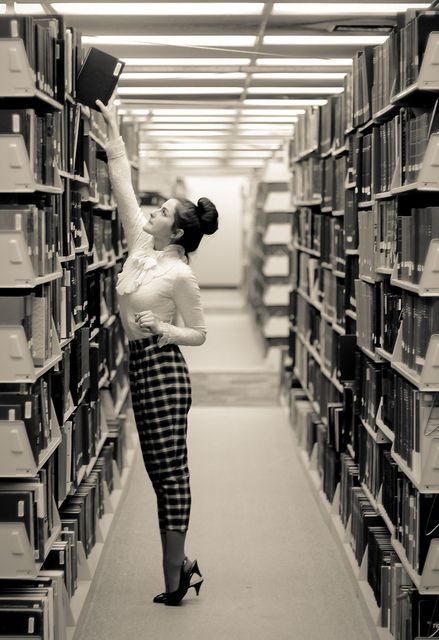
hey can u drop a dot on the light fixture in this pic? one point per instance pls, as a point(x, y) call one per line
point(298, 76)
point(247, 163)
point(194, 112)
point(305, 62)
point(202, 162)
point(179, 113)
point(346, 8)
point(296, 102)
point(238, 75)
point(322, 91)
point(175, 133)
point(272, 112)
point(194, 119)
point(176, 91)
point(2, 8)
point(199, 41)
point(185, 62)
point(188, 154)
point(185, 126)
point(28, 8)
point(251, 154)
point(159, 8)
point(265, 119)
point(184, 146)
point(357, 40)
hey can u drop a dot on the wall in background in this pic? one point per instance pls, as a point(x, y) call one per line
point(219, 260)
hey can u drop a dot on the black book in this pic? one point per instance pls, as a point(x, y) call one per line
point(97, 77)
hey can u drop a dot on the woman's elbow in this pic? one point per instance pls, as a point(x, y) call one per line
point(202, 335)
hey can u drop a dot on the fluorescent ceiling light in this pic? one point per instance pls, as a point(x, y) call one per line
point(247, 163)
point(251, 154)
point(178, 113)
point(265, 119)
point(159, 8)
point(272, 112)
point(179, 133)
point(194, 119)
point(27, 7)
point(188, 154)
point(197, 163)
point(2, 8)
point(213, 41)
point(298, 76)
point(238, 75)
point(305, 62)
point(266, 132)
point(359, 40)
point(194, 112)
point(195, 125)
point(280, 126)
point(176, 91)
point(297, 102)
point(337, 8)
point(323, 91)
point(185, 62)
point(183, 146)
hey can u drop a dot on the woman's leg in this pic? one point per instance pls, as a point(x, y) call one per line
point(174, 558)
point(163, 400)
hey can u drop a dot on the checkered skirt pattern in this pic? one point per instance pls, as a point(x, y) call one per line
point(161, 396)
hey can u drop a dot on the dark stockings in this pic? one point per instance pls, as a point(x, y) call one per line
point(173, 557)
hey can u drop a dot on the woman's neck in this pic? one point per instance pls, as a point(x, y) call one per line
point(159, 245)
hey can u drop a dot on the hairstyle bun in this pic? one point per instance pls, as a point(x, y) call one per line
point(208, 216)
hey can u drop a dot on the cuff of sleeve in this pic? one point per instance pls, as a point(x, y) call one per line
point(166, 337)
point(115, 148)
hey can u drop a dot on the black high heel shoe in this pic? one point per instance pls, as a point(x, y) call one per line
point(174, 598)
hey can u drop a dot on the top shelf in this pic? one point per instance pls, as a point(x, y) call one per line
point(18, 77)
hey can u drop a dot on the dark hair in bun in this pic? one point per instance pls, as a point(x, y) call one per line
point(208, 216)
point(195, 221)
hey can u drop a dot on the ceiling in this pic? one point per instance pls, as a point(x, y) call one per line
point(220, 84)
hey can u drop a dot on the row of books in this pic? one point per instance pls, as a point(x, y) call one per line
point(414, 234)
point(33, 607)
point(403, 611)
point(54, 52)
point(42, 136)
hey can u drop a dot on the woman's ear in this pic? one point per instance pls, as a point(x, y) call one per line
point(177, 234)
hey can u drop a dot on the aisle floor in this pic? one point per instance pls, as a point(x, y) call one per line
point(272, 569)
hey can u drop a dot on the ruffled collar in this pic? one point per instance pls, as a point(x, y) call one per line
point(143, 265)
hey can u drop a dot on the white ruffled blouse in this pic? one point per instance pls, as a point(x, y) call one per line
point(152, 280)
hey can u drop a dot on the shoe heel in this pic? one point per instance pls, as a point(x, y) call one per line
point(196, 568)
point(197, 586)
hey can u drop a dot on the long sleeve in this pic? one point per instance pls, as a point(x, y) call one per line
point(130, 213)
point(188, 304)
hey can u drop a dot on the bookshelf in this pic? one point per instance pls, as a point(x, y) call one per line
point(364, 320)
point(67, 436)
point(268, 274)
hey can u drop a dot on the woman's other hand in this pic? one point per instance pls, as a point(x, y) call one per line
point(149, 321)
point(110, 119)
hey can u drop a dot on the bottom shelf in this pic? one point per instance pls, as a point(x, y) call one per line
point(90, 564)
point(335, 525)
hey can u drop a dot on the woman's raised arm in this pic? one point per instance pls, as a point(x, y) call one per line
point(130, 213)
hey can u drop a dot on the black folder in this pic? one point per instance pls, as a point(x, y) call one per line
point(97, 77)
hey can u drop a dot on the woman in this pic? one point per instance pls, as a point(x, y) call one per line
point(156, 281)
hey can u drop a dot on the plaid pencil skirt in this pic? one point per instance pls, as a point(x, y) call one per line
point(161, 396)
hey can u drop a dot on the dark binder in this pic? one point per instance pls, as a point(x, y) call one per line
point(97, 77)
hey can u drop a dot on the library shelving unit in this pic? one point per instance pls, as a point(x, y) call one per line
point(364, 311)
point(67, 431)
point(269, 269)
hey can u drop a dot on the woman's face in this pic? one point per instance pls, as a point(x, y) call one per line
point(161, 221)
